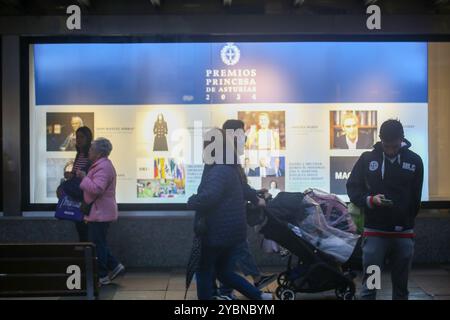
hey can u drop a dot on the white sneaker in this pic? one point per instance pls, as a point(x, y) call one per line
point(117, 270)
point(266, 296)
point(104, 281)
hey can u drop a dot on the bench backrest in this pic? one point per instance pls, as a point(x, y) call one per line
point(48, 269)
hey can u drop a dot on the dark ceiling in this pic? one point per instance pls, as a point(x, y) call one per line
point(176, 7)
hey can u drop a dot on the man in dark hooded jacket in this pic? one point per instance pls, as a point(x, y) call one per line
point(387, 183)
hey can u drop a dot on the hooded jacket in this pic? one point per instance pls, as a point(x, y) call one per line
point(221, 197)
point(400, 181)
point(99, 189)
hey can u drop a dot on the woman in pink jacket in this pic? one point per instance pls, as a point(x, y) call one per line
point(99, 190)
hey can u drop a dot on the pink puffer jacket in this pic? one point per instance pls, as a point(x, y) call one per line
point(99, 186)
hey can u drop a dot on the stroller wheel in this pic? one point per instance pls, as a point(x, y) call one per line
point(339, 292)
point(349, 296)
point(278, 292)
point(283, 279)
point(345, 293)
point(287, 294)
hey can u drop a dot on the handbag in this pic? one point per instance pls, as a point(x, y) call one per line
point(69, 209)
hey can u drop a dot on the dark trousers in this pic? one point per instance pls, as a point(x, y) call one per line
point(97, 234)
point(82, 230)
point(217, 263)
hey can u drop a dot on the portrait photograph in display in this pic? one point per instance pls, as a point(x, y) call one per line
point(274, 185)
point(265, 130)
point(353, 129)
point(62, 126)
point(278, 164)
point(266, 166)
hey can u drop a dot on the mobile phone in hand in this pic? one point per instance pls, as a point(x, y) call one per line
point(387, 202)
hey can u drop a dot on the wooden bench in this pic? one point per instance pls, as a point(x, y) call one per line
point(48, 269)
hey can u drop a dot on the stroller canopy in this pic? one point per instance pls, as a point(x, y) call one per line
point(306, 219)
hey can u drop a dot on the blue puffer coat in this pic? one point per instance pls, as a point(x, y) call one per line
point(222, 196)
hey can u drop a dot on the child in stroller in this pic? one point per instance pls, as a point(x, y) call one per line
point(326, 255)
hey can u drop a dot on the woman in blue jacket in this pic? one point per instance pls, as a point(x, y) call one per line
point(221, 199)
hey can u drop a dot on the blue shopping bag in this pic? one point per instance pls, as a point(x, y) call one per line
point(69, 209)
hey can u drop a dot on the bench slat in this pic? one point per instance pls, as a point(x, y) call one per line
point(35, 266)
point(43, 283)
point(43, 250)
point(40, 269)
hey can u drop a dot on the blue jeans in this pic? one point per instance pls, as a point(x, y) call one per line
point(218, 263)
point(97, 234)
point(400, 252)
point(243, 259)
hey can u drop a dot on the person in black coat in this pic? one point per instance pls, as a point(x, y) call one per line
point(221, 202)
point(387, 182)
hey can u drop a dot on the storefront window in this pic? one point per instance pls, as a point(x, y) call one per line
point(310, 110)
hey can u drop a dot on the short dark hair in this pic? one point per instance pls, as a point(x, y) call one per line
point(233, 124)
point(391, 130)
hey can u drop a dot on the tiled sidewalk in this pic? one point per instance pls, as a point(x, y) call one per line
point(426, 283)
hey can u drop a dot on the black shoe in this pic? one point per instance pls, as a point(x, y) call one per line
point(265, 281)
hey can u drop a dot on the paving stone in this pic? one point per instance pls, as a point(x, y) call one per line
point(107, 292)
point(165, 275)
point(425, 284)
point(435, 285)
point(142, 284)
point(441, 297)
point(139, 295)
point(178, 283)
point(179, 295)
point(430, 272)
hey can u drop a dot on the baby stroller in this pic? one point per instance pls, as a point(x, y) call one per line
point(326, 256)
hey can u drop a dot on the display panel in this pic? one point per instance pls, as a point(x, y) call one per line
point(310, 109)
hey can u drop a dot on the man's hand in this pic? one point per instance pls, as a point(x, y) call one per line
point(377, 200)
